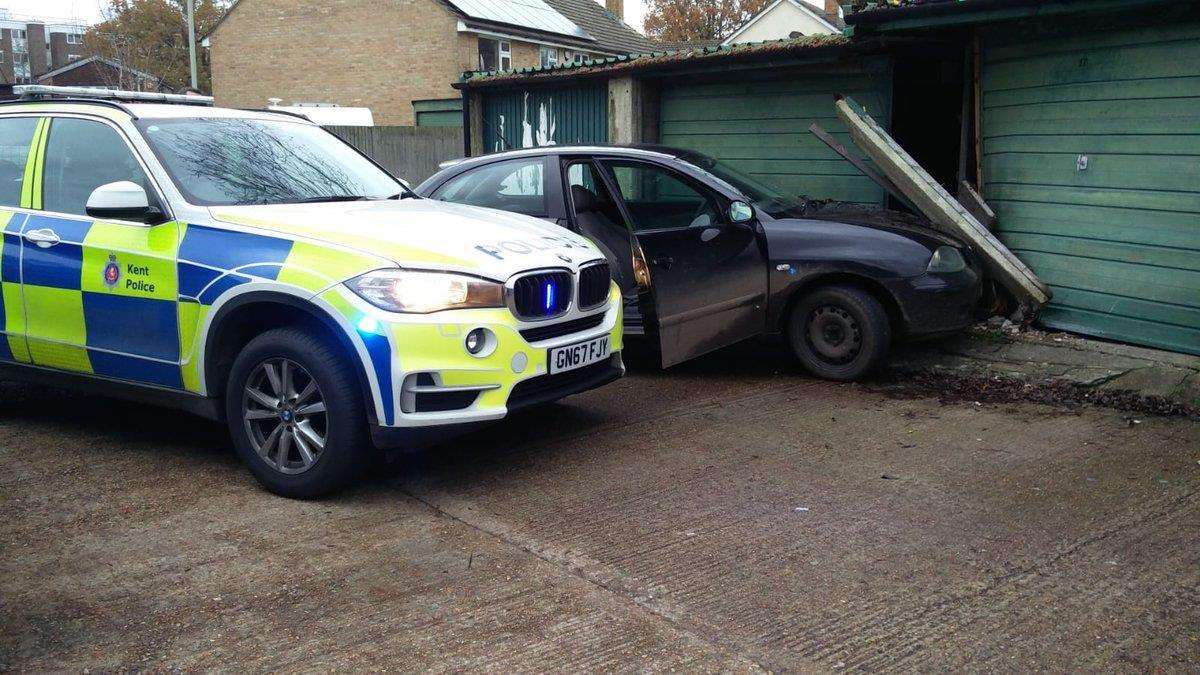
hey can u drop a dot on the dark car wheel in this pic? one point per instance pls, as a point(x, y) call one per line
point(839, 332)
point(295, 413)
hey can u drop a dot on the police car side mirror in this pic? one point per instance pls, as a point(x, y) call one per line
point(122, 200)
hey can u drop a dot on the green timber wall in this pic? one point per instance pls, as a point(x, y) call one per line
point(1119, 240)
point(438, 113)
point(761, 127)
point(573, 115)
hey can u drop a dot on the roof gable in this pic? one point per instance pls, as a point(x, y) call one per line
point(77, 63)
point(832, 23)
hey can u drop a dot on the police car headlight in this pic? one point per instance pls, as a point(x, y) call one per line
point(426, 292)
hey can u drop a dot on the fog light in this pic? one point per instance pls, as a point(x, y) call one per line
point(476, 340)
point(480, 342)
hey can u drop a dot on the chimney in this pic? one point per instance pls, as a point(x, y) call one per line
point(833, 7)
point(618, 7)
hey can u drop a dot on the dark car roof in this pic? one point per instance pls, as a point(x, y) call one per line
point(687, 160)
point(649, 151)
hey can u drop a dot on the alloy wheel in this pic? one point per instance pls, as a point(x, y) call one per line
point(285, 416)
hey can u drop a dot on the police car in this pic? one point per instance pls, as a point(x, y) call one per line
point(251, 267)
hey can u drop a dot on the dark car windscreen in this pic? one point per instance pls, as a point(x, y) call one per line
point(240, 161)
point(765, 196)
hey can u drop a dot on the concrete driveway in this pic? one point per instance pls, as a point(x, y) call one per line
point(727, 515)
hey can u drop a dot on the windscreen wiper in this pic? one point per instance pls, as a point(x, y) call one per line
point(331, 198)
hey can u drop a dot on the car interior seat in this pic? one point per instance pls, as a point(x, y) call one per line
point(599, 220)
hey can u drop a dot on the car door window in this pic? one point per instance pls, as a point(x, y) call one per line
point(517, 185)
point(660, 199)
point(16, 135)
point(595, 215)
point(82, 155)
point(590, 199)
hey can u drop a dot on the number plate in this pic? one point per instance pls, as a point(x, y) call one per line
point(578, 355)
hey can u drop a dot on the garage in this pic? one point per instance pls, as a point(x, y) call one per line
point(1091, 161)
point(1084, 140)
point(762, 126)
point(751, 105)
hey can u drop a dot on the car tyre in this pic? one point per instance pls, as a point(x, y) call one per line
point(316, 441)
point(839, 332)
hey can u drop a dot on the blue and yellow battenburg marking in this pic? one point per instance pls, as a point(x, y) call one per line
point(128, 301)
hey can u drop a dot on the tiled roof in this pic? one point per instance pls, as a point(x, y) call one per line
point(833, 19)
point(89, 59)
point(611, 33)
point(666, 58)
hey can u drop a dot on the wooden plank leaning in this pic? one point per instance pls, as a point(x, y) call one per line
point(942, 209)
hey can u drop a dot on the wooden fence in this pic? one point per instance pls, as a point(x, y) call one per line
point(412, 153)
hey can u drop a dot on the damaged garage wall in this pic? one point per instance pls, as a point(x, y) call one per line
point(523, 118)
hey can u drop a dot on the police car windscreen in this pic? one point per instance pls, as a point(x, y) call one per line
point(232, 161)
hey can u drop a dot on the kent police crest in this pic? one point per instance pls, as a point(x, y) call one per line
point(112, 271)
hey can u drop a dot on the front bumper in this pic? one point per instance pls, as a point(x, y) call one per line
point(526, 394)
point(427, 387)
point(936, 304)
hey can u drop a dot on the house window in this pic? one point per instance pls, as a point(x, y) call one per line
point(549, 57)
point(20, 42)
point(21, 67)
point(74, 39)
point(488, 52)
point(494, 55)
point(580, 58)
point(505, 55)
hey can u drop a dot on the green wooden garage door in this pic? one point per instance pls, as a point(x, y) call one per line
point(1119, 238)
point(535, 117)
point(762, 128)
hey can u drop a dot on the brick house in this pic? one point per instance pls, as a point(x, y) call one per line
point(31, 47)
point(399, 58)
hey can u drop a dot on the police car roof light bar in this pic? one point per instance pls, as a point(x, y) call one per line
point(42, 91)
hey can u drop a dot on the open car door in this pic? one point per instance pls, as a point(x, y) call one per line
point(707, 275)
point(593, 212)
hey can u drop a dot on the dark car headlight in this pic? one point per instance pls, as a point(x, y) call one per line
point(946, 260)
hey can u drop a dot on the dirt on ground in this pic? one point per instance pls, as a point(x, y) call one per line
point(975, 388)
point(728, 514)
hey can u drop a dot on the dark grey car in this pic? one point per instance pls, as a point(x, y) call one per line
point(707, 256)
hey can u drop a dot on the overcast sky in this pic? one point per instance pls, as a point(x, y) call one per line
point(88, 11)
